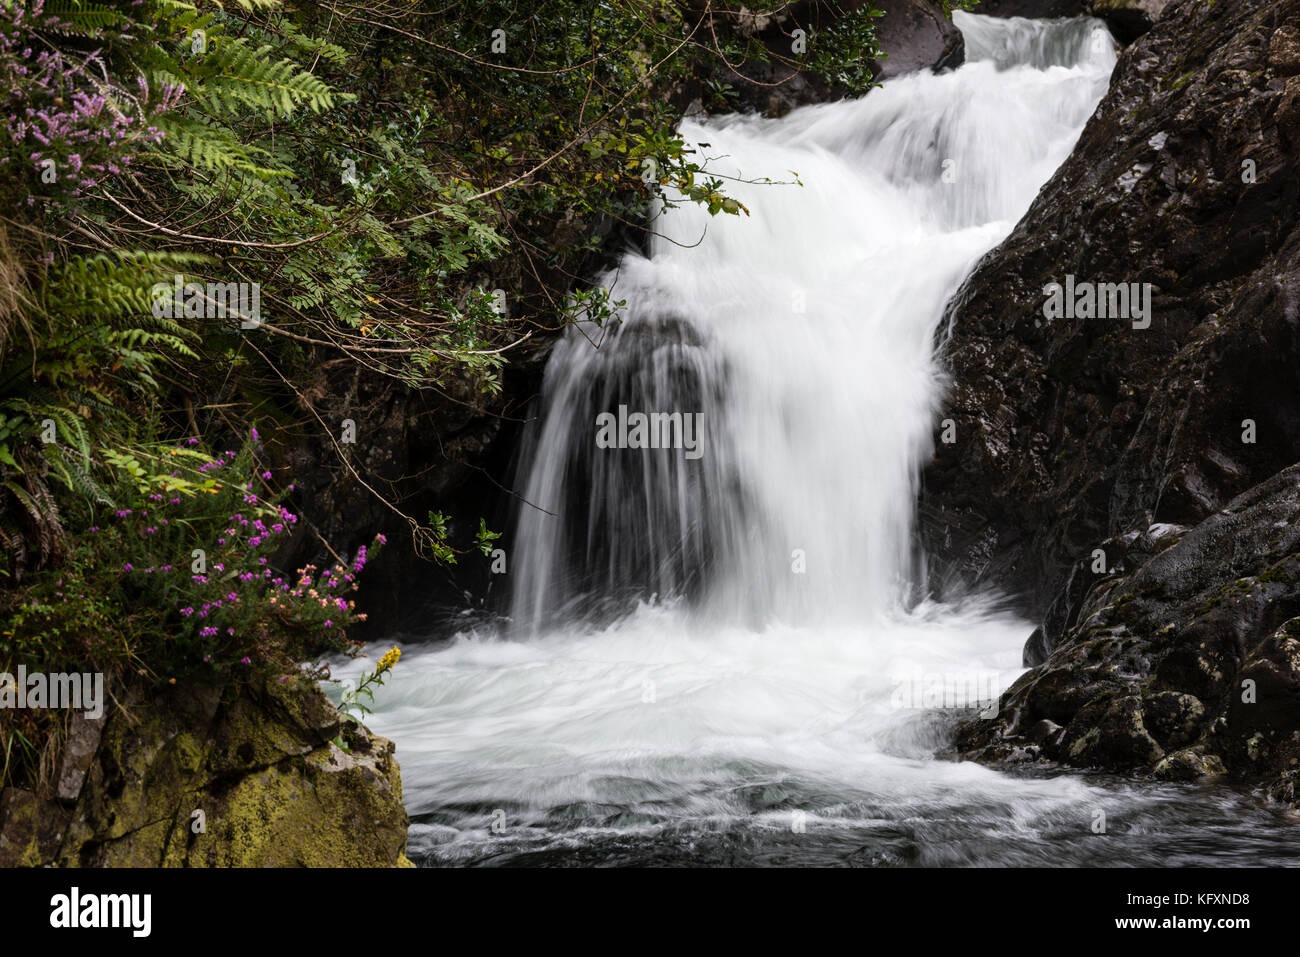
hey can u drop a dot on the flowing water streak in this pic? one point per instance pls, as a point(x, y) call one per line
point(670, 688)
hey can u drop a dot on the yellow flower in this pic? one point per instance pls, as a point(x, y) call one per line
point(389, 659)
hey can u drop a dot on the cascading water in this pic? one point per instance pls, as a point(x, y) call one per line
point(802, 336)
point(722, 652)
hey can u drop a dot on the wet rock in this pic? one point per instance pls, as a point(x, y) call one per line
point(1110, 732)
point(30, 828)
point(916, 35)
point(1288, 113)
point(1173, 718)
point(1045, 732)
point(1284, 50)
point(1262, 718)
point(1189, 764)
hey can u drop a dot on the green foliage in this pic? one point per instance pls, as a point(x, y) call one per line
point(87, 353)
point(844, 52)
point(484, 538)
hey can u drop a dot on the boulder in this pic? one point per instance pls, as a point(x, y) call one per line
point(1187, 666)
point(195, 778)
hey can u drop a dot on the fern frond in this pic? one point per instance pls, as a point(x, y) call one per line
point(81, 17)
point(248, 76)
point(209, 146)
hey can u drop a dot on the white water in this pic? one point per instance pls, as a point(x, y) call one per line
point(668, 681)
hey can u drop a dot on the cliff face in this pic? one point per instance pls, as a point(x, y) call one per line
point(198, 779)
point(1132, 485)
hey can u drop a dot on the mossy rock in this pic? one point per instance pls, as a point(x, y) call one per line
point(262, 766)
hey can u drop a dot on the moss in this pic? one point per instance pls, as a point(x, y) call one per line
point(1206, 607)
point(20, 843)
point(1276, 575)
point(1154, 589)
point(302, 805)
point(337, 814)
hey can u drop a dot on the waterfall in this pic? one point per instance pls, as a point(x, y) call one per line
point(722, 648)
point(801, 337)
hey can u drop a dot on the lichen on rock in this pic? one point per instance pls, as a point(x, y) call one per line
point(198, 778)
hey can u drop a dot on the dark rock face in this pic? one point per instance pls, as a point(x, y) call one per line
point(1110, 476)
point(1129, 18)
point(916, 36)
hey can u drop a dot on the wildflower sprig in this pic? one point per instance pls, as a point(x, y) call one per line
point(351, 706)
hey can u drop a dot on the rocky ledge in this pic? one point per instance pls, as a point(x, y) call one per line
point(202, 779)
